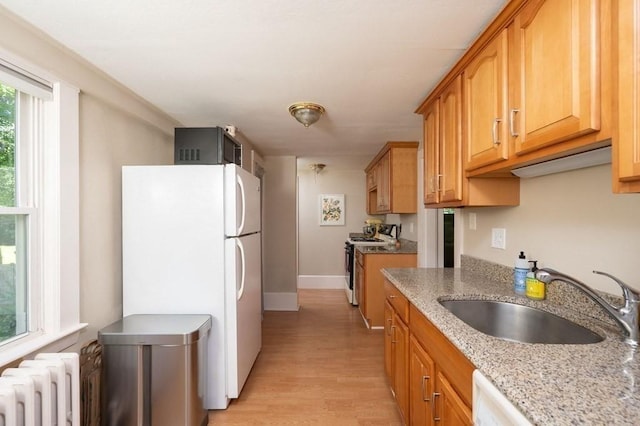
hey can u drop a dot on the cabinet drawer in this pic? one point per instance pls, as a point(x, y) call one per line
point(397, 300)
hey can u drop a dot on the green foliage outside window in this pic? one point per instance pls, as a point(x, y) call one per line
point(8, 199)
point(7, 145)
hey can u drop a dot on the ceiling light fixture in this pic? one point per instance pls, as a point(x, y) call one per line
point(317, 167)
point(306, 113)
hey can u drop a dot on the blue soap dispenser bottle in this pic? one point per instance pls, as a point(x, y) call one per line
point(520, 275)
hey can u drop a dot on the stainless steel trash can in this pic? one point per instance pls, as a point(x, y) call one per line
point(154, 370)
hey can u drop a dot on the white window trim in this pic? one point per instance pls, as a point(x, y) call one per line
point(60, 268)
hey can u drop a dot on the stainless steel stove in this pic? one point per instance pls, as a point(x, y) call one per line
point(350, 260)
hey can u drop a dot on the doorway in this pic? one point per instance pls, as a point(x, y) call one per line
point(448, 240)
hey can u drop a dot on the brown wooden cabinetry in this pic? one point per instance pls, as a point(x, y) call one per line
point(422, 379)
point(383, 175)
point(452, 373)
point(485, 103)
point(397, 347)
point(369, 282)
point(430, 378)
point(449, 178)
point(626, 142)
point(556, 70)
point(372, 182)
point(547, 79)
point(395, 171)
point(444, 181)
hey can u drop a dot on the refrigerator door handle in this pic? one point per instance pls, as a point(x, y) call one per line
point(243, 208)
point(243, 274)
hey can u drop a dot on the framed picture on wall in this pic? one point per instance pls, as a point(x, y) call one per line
point(332, 210)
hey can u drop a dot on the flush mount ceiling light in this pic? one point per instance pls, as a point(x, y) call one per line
point(306, 113)
point(317, 167)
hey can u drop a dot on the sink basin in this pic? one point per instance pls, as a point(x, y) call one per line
point(518, 323)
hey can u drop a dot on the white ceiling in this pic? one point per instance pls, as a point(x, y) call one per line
point(370, 63)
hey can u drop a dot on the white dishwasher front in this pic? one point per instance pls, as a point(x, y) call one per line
point(491, 407)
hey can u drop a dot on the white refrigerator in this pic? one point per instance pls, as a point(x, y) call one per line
point(191, 244)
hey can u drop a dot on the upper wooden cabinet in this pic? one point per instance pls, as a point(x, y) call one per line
point(626, 142)
point(443, 147)
point(395, 170)
point(444, 181)
point(486, 114)
point(383, 176)
point(555, 64)
point(546, 79)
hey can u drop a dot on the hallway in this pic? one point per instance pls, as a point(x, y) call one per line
point(318, 366)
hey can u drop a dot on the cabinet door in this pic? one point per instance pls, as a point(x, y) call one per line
point(361, 289)
point(401, 365)
point(450, 155)
point(485, 105)
point(388, 335)
point(628, 141)
point(421, 384)
point(431, 152)
point(383, 173)
point(451, 410)
point(371, 179)
point(556, 65)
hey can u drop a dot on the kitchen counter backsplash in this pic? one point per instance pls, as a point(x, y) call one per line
point(558, 293)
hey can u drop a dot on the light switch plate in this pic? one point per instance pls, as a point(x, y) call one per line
point(499, 238)
point(472, 221)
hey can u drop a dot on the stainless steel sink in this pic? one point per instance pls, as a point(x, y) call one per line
point(518, 323)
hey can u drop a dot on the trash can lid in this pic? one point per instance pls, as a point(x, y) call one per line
point(156, 329)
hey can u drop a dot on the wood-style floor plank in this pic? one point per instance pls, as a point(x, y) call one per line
point(318, 366)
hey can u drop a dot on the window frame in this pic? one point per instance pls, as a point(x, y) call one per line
point(55, 231)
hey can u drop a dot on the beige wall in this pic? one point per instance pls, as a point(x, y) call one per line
point(321, 248)
point(109, 138)
point(571, 222)
point(116, 128)
point(279, 225)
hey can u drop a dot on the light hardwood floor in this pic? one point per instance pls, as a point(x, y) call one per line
point(318, 366)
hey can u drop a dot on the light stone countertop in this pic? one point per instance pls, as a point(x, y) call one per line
point(406, 247)
point(551, 384)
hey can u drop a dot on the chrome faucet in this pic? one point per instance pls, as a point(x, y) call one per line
point(626, 316)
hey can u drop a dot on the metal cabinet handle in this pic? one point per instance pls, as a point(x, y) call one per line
point(433, 406)
point(392, 296)
point(440, 185)
point(393, 334)
point(494, 131)
point(425, 396)
point(389, 329)
point(512, 120)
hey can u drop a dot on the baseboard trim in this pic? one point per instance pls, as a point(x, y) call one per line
point(330, 282)
point(281, 301)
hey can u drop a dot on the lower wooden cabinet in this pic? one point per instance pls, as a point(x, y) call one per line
point(369, 282)
point(421, 384)
point(429, 377)
point(449, 408)
point(397, 357)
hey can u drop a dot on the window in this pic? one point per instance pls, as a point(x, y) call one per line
point(39, 295)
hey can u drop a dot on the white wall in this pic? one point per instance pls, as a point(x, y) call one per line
point(279, 233)
point(569, 221)
point(321, 248)
point(116, 127)
point(109, 138)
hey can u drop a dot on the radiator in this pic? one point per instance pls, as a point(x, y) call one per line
point(44, 391)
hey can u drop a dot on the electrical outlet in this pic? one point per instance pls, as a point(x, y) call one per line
point(499, 238)
point(472, 221)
